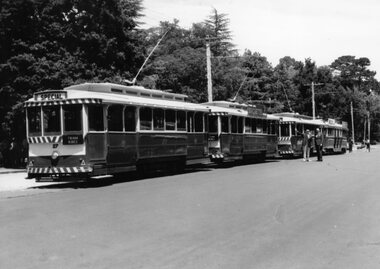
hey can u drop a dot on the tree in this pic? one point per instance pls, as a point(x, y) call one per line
point(52, 44)
point(219, 33)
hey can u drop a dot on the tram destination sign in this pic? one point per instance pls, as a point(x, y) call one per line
point(50, 95)
point(72, 139)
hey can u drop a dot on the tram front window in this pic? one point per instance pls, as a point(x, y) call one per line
point(72, 118)
point(213, 124)
point(285, 130)
point(52, 120)
point(34, 121)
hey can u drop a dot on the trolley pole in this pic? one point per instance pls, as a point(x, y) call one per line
point(209, 80)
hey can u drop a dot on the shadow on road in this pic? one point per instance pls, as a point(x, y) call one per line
point(116, 179)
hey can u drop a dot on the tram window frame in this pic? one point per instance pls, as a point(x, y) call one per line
point(55, 126)
point(158, 119)
point(35, 121)
point(254, 125)
point(225, 128)
point(96, 118)
point(259, 126)
point(170, 123)
point(213, 124)
point(199, 122)
point(129, 119)
point(190, 121)
point(75, 120)
point(234, 127)
point(115, 118)
point(248, 125)
point(146, 118)
point(240, 125)
point(265, 126)
point(181, 120)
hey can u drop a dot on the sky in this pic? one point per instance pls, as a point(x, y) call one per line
point(321, 30)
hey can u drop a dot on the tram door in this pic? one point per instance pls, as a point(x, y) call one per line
point(121, 140)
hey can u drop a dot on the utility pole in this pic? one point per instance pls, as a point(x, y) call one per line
point(209, 80)
point(352, 124)
point(313, 95)
point(369, 128)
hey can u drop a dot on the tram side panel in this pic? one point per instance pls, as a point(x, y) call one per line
point(156, 148)
point(197, 146)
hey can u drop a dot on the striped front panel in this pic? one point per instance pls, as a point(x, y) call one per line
point(284, 138)
point(286, 152)
point(59, 170)
point(64, 102)
point(216, 156)
point(44, 139)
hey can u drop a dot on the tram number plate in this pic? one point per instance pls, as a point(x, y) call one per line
point(72, 139)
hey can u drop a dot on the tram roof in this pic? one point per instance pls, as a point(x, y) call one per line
point(104, 93)
point(236, 109)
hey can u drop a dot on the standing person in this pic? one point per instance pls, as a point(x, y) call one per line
point(306, 145)
point(350, 144)
point(319, 144)
point(368, 145)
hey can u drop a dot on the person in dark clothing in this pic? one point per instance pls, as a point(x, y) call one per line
point(318, 144)
point(350, 144)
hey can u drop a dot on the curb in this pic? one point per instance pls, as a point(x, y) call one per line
point(12, 172)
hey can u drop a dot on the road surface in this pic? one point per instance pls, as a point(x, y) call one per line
point(277, 214)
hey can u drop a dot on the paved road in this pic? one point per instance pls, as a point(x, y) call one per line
point(278, 214)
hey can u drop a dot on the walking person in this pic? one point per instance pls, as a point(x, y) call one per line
point(319, 144)
point(306, 145)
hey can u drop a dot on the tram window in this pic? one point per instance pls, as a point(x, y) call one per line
point(169, 120)
point(271, 127)
point(115, 118)
point(95, 118)
point(234, 124)
point(198, 122)
point(129, 119)
point(240, 125)
point(158, 119)
point(52, 119)
point(259, 126)
point(225, 128)
point(265, 126)
point(248, 125)
point(213, 124)
point(145, 118)
point(284, 128)
point(181, 121)
point(190, 121)
point(34, 121)
point(293, 126)
point(72, 118)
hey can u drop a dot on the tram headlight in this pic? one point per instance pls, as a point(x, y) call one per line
point(54, 155)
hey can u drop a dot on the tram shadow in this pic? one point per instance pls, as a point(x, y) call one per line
point(236, 163)
point(100, 182)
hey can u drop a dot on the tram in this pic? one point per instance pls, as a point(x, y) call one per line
point(293, 125)
point(95, 129)
point(240, 132)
